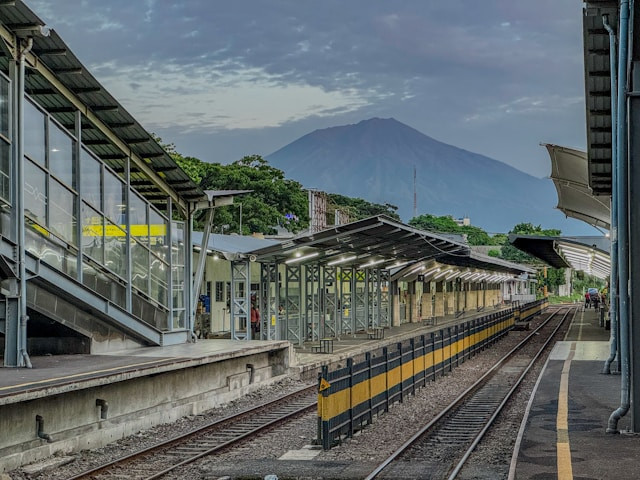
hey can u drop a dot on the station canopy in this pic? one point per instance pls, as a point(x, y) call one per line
point(570, 175)
point(587, 254)
point(380, 242)
point(62, 85)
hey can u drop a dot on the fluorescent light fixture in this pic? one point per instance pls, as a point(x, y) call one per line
point(442, 274)
point(301, 258)
point(399, 264)
point(342, 260)
point(373, 262)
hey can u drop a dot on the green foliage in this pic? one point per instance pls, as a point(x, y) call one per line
point(357, 208)
point(274, 200)
point(446, 224)
point(494, 253)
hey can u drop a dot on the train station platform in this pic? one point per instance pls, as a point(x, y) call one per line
point(78, 402)
point(564, 434)
point(309, 357)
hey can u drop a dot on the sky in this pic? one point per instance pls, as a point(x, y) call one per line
point(222, 79)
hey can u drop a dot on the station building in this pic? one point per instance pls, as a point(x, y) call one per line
point(97, 247)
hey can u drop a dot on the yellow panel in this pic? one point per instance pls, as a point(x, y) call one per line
point(360, 393)
point(336, 403)
point(407, 370)
point(393, 377)
point(378, 384)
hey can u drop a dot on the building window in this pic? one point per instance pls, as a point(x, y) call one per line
point(219, 292)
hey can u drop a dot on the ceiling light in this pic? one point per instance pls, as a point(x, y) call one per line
point(301, 258)
point(342, 260)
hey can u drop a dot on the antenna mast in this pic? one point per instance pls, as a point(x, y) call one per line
point(415, 197)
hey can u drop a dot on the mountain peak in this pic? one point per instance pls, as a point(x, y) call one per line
point(375, 159)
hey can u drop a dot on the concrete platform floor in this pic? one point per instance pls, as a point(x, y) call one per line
point(564, 435)
point(53, 374)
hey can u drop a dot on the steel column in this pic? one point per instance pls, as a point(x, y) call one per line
point(269, 298)
point(240, 300)
point(312, 302)
point(346, 303)
point(293, 309)
point(330, 302)
point(384, 298)
point(359, 295)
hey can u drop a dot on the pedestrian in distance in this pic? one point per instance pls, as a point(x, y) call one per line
point(255, 321)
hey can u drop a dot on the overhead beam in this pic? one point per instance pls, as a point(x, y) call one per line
point(89, 112)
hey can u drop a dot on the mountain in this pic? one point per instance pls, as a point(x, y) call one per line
point(375, 159)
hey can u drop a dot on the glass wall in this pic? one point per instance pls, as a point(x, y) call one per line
point(5, 141)
point(123, 237)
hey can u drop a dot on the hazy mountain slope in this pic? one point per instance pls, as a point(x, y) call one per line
point(374, 160)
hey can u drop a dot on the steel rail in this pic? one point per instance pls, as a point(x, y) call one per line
point(462, 397)
point(485, 429)
point(175, 442)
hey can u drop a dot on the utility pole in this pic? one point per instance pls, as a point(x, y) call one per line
point(415, 196)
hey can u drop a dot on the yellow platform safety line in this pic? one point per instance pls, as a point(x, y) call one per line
point(563, 447)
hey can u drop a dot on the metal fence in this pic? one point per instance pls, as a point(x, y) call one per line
point(349, 397)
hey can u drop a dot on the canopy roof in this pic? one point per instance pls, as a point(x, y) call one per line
point(598, 91)
point(570, 175)
point(587, 254)
point(380, 241)
point(376, 240)
point(62, 85)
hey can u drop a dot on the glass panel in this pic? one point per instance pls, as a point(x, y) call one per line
point(61, 155)
point(138, 218)
point(114, 197)
point(92, 233)
point(4, 107)
point(158, 234)
point(159, 280)
point(5, 171)
point(35, 193)
point(90, 179)
point(62, 212)
point(140, 266)
point(115, 249)
point(34, 122)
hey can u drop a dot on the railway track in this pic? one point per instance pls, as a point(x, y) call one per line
point(158, 460)
point(440, 448)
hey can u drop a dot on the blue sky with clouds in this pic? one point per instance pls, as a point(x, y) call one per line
point(224, 79)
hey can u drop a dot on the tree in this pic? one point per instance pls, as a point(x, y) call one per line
point(446, 224)
point(357, 208)
point(274, 200)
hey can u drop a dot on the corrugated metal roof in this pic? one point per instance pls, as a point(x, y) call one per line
point(598, 92)
point(378, 239)
point(233, 244)
point(589, 254)
point(70, 72)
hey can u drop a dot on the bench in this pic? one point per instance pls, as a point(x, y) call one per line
point(376, 333)
point(429, 321)
point(325, 346)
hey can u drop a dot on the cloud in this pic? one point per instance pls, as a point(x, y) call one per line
point(199, 99)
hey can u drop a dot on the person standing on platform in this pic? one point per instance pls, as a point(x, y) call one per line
point(255, 321)
point(586, 300)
